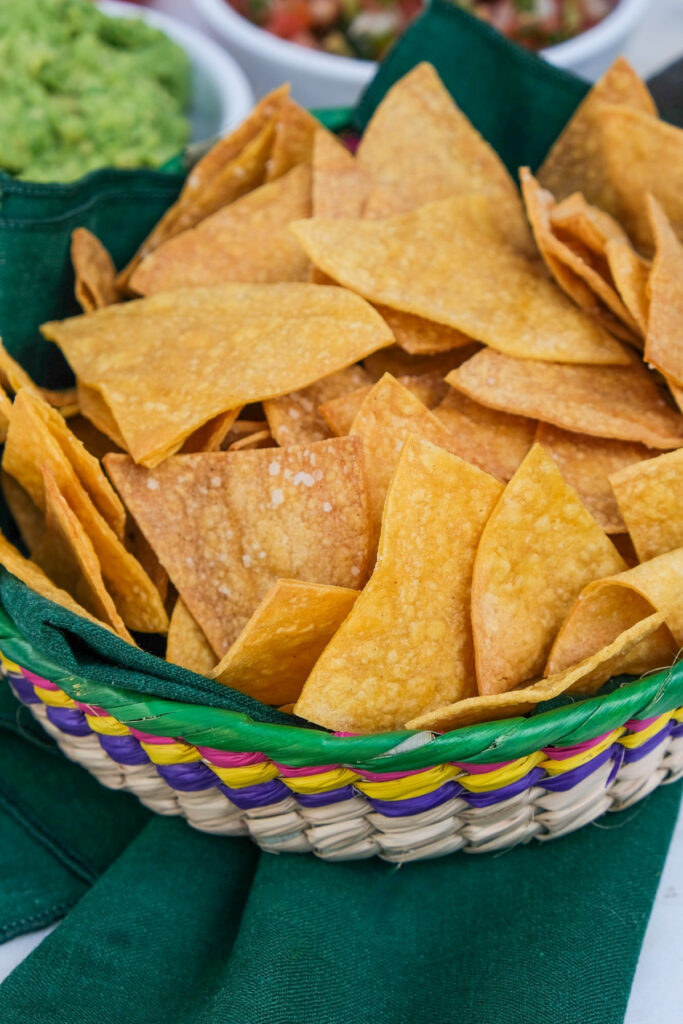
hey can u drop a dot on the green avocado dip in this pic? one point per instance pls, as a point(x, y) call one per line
point(79, 91)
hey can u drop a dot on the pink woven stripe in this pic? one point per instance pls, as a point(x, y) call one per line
point(146, 737)
point(561, 753)
point(230, 758)
point(292, 773)
point(35, 680)
point(480, 769)
point(385, 776)
point(638, 724)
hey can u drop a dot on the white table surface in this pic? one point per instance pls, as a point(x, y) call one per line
point(657, 994)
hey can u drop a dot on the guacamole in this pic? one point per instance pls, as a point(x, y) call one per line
point(80, 91)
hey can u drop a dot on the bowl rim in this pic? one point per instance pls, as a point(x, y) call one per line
point(222, 16)
point(235, 93)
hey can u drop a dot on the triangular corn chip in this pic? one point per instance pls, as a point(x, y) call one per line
point(275, 652)
point(295, 130)
point(576, 161)
point(398, 363)
point(94, 270)
point(340, 184)
point(294, 418)
point(406, 648)
point(576, 220)
point(419, 336)
point(226, 525)
point(13, 377)
point(587, 463)
point(447, 261)
point(538, 550)
point(450, 159)
point(259, 439)
point(619, 402)
point(650, 496)
point(30, 448)
point(245, 241)
point(28, 518)
point(210, 436)
point(97, 412)
point(5, 413)
point(339, 413)
point(495, 441)
point(630, 273)
point(167, 364)
point(186, 644)
point(664, 339)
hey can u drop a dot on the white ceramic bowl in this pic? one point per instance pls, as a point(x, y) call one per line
point(323, 80)
point(221, 95)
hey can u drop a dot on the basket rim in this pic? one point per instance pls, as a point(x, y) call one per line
point(298, 746)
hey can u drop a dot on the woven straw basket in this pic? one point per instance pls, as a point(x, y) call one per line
point(400, 796)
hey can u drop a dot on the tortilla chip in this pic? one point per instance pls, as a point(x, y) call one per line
point(398, 363)
point(275, 652)
point(406, 647)
point(259, 439)
point(585, 677)
point(34, 578)
point(186, 644)
point(92, 439)
point(339, 413)
point(575, 219)
point(624, 546)
point(676, 393)
point(650, 496)
point(643, 154)
point(28, 518)
point(340, 185)
point(139, 547)
point(236, 164)
point(68, 557)
point(587, 464)
point(241, 429)
point(226, 525)
point(630, 273)
point(211, 436)
point(418, 336)
point(5, 413)
point(618, 402)
point(94, 271)
point(295, 130)
point(448, 262)
point(247, 343)
point(494, 441)
point(245, 241)
point(610, 605)
point(579, 279)
point(95, 409)
point(13, 377)
point(664, 341)
point(450, 158)
point(30, 448)
point(538, 550)
point(294, 418)
point(576, 161)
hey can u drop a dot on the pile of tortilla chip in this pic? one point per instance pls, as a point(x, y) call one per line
point(383, 439)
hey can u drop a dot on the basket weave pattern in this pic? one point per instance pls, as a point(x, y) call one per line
point(341, 811)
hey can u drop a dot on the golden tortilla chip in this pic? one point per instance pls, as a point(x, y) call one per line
point(418, 336)
point(186, 645)
point(67, 556)
point(448, 262)
point(398, 363)
point(624, 546)
point(94, 270)
point(245, 241)
point(340, 185)
point(618, 402)
point(34, 577)
point(28, 518)
point(241, 429)
point(587, 464)
point(643, 154)
point(13, 377)
point(630, 273)
point(211, 436)
point(5, 413)
point(96, 411)
point(167, 364)
point(573, 219)
point(275, 652)
point(576, 161)
point(294, 418)
point(92, 439)
point(259, 439)
point(450, 158)
point(664, 340)
point(585, 677)
point(579, 279)
point(539, 548)
point(650, 496)
point(339, 413)
point(139, 547)
point(295, 130)
point(30, 449)
point(494, 441)
point(406, 648)
point(226, 525)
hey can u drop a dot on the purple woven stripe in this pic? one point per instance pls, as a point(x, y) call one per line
point(636, 753)
point(677, 730)
point(69, 720)
point(23, 689)
point(333, 796)
point(560, 783)
point(189, 778)
point(505, 792)
point(416, 804)
point(261, 795)
point(123, 749)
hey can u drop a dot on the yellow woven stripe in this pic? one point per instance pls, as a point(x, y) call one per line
point(322, 782)
point(54, 698)
point(636, 739)
point(411, 785)
point(106, 725)
point(171, 753)
point(499, 777)
point(678, 715)
point(566, 764)
point(9, 666)
point(249, 775)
